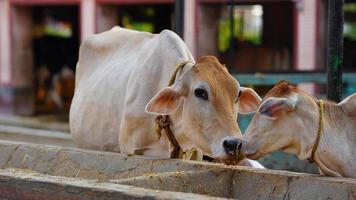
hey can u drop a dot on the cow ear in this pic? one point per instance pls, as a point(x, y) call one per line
point(274, 107)
point(249, 100)
point(165, 101)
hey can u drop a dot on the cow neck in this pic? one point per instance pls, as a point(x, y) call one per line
point(320, 130)
point(331, 155)
point(163, 122)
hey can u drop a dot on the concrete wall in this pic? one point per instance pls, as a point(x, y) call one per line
point(38, 171)
point(5, 46)
point(16, 76)
point(5, 58)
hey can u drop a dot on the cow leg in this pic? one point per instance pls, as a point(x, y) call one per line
point(138, 136)
point(321, 172)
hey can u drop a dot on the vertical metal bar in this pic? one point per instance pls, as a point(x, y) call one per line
point(335, 49)
point(232, 24)
point(242, 23)
point(232, 45)
point(179, 20)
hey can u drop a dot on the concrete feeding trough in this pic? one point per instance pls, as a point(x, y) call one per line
point(40, 171)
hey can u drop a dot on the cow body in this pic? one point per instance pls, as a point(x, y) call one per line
point(121, 87)
point(288, 120)
point(113, 87)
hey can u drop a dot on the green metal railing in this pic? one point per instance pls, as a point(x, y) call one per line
point(296, 78)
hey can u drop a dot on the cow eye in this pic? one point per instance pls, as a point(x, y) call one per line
point(201, 93)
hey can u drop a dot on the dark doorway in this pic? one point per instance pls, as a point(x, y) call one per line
point(350, 36)
point(151, 17)
point(55, 53)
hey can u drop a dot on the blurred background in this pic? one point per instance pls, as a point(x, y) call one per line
point(261, 41)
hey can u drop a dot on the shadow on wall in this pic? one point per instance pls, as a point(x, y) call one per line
point(285, 161)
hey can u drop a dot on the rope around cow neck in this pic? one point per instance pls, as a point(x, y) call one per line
point(320, 129)
point(163, 122)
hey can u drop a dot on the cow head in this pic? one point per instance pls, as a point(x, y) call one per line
point(204, 101)
point(282, 123)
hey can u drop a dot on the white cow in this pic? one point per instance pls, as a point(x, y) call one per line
point(121, 72)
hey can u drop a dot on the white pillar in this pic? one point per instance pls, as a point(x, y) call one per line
point(5, 45)
point(189, 25)
point(307, 36)
point(87, 11)
point(306, 47)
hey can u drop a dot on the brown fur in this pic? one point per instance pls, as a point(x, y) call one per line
point(282, 89)
point(208, 68)
point(222, 84)
point(331, 109)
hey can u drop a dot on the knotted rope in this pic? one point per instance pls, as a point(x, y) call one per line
point(320, 129)
point(163, 122)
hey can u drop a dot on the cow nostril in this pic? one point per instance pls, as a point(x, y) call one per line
point(232, 145)
point(239, 146)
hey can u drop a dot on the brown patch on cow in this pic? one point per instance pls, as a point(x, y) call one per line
point(223, 86)
point(208, 68)
point(282, 89)
point(205, 59)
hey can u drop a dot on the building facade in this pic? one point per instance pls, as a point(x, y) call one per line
point(39, 39)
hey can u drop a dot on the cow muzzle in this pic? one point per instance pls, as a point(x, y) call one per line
point(248, 149)
point(232, 146)
point(230, 151)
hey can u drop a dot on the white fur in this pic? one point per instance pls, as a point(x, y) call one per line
point(256, 164)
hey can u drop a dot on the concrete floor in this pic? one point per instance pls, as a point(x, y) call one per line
point(46, 122)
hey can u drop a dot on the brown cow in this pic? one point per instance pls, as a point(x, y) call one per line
point(290, 120)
